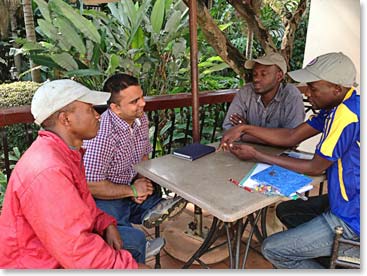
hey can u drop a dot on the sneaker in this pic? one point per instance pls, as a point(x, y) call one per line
point(165, 209)
point(153, 247)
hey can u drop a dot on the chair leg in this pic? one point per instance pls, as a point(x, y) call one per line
point(338, 233)
point(158, 256)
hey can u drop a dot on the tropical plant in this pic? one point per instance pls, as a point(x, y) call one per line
point(3, 184)
point(142, 39)
point(14, 156)
point(71, 44)
point(155, 48)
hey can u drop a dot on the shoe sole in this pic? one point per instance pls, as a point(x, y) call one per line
point(160, 249)
point(171, 212)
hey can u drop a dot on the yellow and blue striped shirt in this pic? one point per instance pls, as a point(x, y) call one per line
point(340, 143)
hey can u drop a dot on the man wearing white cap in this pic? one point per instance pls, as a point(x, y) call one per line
point(330, 79)
point(49, 218)
point(266, 101)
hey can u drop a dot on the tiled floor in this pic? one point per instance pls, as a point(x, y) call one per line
point(181, 242)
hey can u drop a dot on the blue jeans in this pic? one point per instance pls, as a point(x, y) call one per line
point(127, 212)
point(298, 247)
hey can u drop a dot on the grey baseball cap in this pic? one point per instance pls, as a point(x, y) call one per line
point(332, 67)
point(54, 95)
point(269, 59)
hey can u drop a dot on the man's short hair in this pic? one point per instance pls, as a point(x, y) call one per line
point(116, 83)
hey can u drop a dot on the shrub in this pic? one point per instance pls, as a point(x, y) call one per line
point(17, 93)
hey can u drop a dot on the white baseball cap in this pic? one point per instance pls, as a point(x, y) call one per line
point(54, 95)
point(269, 59)
point(332, 67)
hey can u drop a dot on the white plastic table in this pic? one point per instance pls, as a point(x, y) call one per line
point(204, 182)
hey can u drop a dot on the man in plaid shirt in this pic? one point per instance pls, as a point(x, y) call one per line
point(122, 142)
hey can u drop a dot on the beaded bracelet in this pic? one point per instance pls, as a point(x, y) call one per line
point(133, 188)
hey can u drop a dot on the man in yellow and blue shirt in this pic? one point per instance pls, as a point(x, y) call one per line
point(330, 82)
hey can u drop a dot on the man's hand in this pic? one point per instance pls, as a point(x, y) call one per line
point(230, 136)
point(243, 152)
point(139, 199)
point(144, 188)
point(237, 119)
point(112, 237)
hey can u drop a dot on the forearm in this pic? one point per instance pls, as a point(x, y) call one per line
point(108, 190)
point(251, 139)
point(299, 165)
point(274, 136)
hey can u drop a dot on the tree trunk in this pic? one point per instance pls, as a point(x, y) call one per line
point(249, 13)
point(14, 5)
point(4, 20)
point(216, 38)
point(290, 29)
point(31, 35)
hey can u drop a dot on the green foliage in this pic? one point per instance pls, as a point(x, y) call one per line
point(14, 156)
point(17, 93)
point(3, 184)
point(296, 61)
point(69, 42)
point(147, 38)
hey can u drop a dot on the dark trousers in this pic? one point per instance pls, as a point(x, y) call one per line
point(295, 212)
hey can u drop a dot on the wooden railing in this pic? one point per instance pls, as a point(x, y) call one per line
point(160, 110)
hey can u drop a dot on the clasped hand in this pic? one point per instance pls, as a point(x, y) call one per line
point(228, 143)
point(229, 136)
point(144, 188)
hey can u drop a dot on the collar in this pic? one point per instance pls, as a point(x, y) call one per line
point(349, 93)
point(121, 123)
point(72, 151)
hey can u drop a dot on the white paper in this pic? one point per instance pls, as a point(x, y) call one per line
point(247, 181)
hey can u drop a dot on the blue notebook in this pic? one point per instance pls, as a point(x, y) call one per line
point(287, 182)
point(193, 151)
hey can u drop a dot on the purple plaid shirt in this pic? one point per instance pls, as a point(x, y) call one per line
point(116, 148)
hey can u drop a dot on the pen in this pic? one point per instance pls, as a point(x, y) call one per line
point(248, 189)
point(301, 196)
point(235, 182)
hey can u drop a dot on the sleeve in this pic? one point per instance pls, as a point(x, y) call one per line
point(339, 134)
point(317, 121)
point(102, 221)
point(237, 106)
point(64, 224)
point(294, 108)
point(99, 152)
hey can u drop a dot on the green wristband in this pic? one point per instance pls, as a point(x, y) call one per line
point(134, 190)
